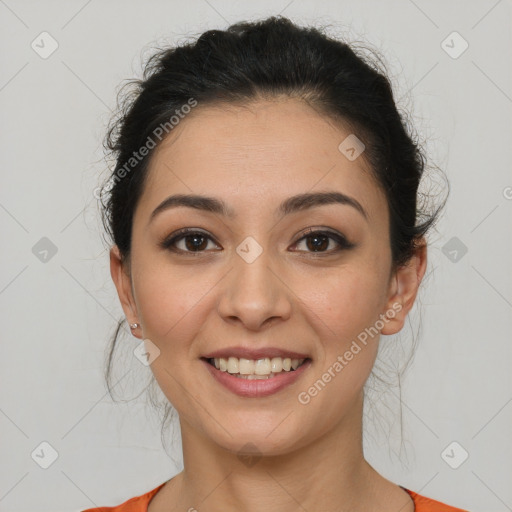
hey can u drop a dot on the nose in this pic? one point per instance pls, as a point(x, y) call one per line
point(254, 295)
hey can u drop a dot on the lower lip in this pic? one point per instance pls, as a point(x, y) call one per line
point(256, 388)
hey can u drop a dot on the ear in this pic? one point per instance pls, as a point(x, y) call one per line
point(403, 288)
point(122, 280)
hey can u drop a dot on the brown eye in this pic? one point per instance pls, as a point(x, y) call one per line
point(193, 241)
point(319, 242)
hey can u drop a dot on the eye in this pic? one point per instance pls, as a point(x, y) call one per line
point(193, 241)
point(317, 241)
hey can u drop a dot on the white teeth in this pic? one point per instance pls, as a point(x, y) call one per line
point(232, 366)
point(246, 367)
point(276, 364)
point(262, 366)
point(254, 377)
point(256, 369)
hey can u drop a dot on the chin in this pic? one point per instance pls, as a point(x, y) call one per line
point(259, 442)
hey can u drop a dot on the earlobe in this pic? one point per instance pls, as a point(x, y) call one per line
point(404, 287)
point(122, 281)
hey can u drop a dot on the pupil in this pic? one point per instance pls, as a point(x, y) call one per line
point(317, 245)
point(195, 238)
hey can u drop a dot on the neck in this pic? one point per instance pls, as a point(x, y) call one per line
point(327, 474)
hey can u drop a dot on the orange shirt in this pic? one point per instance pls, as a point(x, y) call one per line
point(140, 503)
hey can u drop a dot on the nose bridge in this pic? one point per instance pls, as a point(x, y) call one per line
point(254, 293)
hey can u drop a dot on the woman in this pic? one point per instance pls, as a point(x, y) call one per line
point(266, 232)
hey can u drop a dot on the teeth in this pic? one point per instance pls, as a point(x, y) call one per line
point(262, 366)
point(232, 365)
point(276, 364)
point(256, 369)
point(246, 367)
point(255, 377)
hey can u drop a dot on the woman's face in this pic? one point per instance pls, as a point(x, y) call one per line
point(251, 281)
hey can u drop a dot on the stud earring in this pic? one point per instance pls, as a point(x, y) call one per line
point(134, 326)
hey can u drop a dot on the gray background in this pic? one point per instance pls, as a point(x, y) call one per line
point(58, 310)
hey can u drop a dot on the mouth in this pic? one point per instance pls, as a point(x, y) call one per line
point(256, 378)
point(256, 369)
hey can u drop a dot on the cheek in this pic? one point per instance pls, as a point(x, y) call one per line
point(173, 305)
point(173, 302)
point(344, 301)
point(341, 314)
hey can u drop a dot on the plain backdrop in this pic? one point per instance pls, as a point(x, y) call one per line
point(58, 304)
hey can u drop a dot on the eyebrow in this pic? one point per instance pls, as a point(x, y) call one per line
point(290, 205)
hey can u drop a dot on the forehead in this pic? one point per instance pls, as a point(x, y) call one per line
point(258, 153)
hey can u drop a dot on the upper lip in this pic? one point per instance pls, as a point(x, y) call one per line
point(251, 353)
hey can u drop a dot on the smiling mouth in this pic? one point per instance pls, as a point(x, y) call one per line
point(256, 369)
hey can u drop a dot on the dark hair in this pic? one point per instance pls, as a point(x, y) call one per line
point(264, 60)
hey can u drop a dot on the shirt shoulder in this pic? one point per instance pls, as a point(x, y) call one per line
point(140, 503)
point(136, 504)
point(424, 504)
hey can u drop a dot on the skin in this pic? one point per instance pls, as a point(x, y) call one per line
point(253, 157)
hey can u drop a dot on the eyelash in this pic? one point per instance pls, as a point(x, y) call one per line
point(343, 243)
